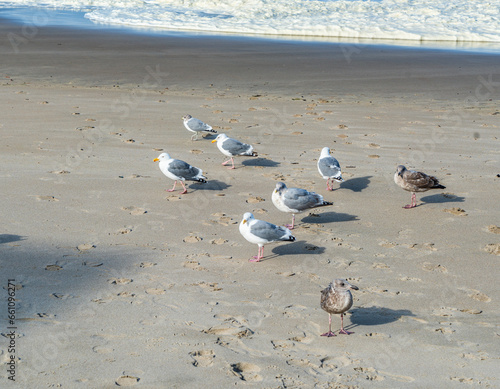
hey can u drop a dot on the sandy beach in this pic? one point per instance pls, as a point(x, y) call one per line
point(120, 283)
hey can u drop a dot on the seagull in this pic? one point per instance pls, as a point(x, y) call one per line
point(337, 298)
point(179, 171)
point(195, 125)
point(261, 232)
point(232, 147)
point(296, 200)
point(329, 168)
point(414, 181)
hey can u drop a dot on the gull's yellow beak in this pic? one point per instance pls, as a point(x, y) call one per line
point(156, 160)
point(244, 221)
point(215, 140)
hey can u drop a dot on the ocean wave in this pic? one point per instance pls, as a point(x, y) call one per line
point(417, 20)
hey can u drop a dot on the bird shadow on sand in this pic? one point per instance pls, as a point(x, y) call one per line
point(210, 185)
point(442, 198)
point(356, 184)
point(260, 162)
point(328, 217)
point(208, 136)
point(9, 238)
point(300, 247)
point(375, 316)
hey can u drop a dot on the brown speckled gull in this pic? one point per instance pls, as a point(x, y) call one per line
point(414, 181)
point(335, 299)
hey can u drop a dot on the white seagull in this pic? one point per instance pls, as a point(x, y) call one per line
point(295, 200)
point(261, 232)
point(195, 125)
point(232, 147)
point(329, 168)
point(179, 170)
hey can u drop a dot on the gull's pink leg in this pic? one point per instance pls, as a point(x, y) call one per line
point(329, 333)
point(290, 226)
point(342, 331)
point(413, 201)
point(171, 190)
point(232, 162)
point(328, 184)
point(259, 256)
point(184, 186)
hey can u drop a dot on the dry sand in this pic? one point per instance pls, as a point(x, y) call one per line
point(121, 283)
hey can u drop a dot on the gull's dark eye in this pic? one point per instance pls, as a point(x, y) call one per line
point(342, 284)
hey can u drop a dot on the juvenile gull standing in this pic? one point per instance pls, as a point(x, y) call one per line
point(337, 298)
point(232, 147)
point(195, 125)
point(414, 181)
point(179, 171)
point(329, 168)
point(295, 200)
point(261, 232)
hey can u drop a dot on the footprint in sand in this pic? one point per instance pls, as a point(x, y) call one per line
point(120, 281)
point(155, 291)
point(92, 264)
point(173, 198)
point(134, 210)
point(102, 350)
point(192, 239)
point(493, 249)
point(476, 295)
point(493, 229)
point(127, 380)
point(147, 264)
point(53, 267)
point(61, 296)
point(85, 246)
point(203, 358)
point(46, 198)
point(195, 265)
point(255, 199)
point(60, 172)
point(123, 231)
point(370, 373)
point(218, 241)
point(456, 211)
point(377, 335)
point(246, 371)
point(378, 265)
point(431, 267)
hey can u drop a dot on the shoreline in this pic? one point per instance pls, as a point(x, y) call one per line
point(118, 281)
point(46, 17)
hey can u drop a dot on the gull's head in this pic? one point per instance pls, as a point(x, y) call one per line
point(400, 170)
point(248, 216)
point(162, 157)
point(280, 187)
point(343, 285)
point(186, 117)
point(220, 137)
point(325, 152)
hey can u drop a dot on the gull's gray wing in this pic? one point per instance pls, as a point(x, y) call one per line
point(301, 199)
point(329, 166)
point(197, 125)
point(269, 232)
point(235, 147)
point(185, 170)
